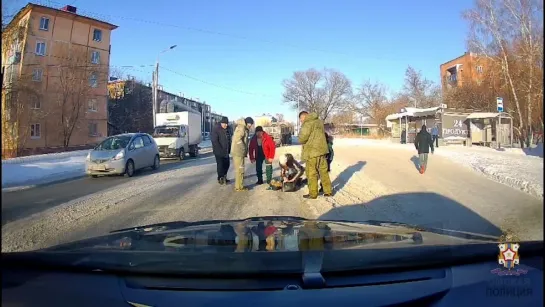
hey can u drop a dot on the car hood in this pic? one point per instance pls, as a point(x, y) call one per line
point(273, 234)
point(104, 154)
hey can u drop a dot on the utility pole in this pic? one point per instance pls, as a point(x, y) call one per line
point(156, 83)
point(297, 115)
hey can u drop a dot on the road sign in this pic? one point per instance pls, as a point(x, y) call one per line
point(499, 102)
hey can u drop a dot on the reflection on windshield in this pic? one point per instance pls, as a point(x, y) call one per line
point(114, 143)
point(166, 132)
point(268, 236)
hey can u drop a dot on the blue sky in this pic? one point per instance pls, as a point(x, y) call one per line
point(374, 40)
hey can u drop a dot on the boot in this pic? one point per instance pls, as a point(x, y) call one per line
point(421, 169)
point(259, 182)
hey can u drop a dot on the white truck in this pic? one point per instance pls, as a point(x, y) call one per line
point(178, 134)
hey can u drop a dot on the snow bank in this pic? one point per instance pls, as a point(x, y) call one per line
point(205, 144)
point(46, 157)
point(39, 172)
point(515, 170)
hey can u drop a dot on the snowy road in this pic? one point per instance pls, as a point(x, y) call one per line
point(371, 183)
point(187, 191)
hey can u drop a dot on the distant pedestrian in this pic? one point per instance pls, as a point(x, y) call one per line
point(329, 156)
point(262, 149)
point(315, 149)
point(239, 150)
point(221, 146)
point(423, 142)
point(404, 136)
point(435, 135)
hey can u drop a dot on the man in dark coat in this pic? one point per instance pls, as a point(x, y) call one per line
point(423, 142)
point(221, 145)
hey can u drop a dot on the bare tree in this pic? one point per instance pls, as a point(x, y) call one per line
point(321, 92)
point(421, 91)
point(509, 34)
point(77, 81)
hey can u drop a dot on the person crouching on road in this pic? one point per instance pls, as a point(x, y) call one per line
point(239, 150)
point(423, 142)
point(262, 149)
point(291, 172)
point(221, 146)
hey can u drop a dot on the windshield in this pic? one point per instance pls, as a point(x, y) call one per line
point(164, 131)
point(455, 156)
point(114, 143)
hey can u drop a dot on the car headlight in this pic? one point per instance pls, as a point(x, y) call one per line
point(173, 145)
point(120, 155)
point(88, 158)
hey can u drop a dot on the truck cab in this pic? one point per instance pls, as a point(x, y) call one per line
point(177, 135)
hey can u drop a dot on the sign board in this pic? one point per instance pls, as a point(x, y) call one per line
point(499, 102)
point(454, 126)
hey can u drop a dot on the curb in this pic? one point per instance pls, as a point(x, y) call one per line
point(20, 187)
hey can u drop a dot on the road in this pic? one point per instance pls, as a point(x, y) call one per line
point(370, 183)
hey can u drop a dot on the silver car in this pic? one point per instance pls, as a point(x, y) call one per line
point(123, 154)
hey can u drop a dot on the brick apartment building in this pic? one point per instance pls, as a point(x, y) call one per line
point(52, 52)
point(466, 68)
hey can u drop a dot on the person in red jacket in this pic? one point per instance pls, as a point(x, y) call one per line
point(262, 149)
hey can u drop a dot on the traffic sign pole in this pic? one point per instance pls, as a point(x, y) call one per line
point(499, 103)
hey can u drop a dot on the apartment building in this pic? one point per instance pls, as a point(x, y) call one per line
point(54, 89)
point(466, 68)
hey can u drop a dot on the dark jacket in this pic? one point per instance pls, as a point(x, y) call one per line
point(221, 144)
point(423, 141)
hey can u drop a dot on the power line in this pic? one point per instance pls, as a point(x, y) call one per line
point(206, 31)
point(217, 85)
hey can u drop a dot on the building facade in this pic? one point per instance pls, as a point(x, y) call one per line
point(55, 66)
point(119, 88)
point(468, 67)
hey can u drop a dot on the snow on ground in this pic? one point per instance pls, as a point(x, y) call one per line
point(515, 167)
point(40, 172)
point(41, 169)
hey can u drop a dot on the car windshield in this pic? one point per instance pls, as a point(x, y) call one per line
point(165, 131)
point(332, 111)
point(114, 143)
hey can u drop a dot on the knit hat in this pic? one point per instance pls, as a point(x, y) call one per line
point(258, 128)
point(224, 120)
point(249, 120)
point(283, 160)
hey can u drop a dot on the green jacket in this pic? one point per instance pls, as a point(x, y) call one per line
point(239, 145)
point(312, 137)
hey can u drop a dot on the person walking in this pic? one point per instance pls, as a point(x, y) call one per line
point(314, 154)
point(239, 150)
point(435, 135)
point(262, 149)
point(423, 142)
point(221, 146)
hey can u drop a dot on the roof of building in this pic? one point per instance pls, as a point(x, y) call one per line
point(31, 6)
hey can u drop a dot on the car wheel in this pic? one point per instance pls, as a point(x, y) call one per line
point(156, 162)
point(129, 168)
point(181, 154)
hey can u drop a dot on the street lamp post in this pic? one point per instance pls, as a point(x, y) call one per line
point(156, 82)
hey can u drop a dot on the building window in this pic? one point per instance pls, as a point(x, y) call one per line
point(40, 48)
point(44, 23)
point(93, 80)
point(95, 57)
point(480, 69)
point(37, 74)
point(35, 131)
point(93, 129)
point(35, 102)
point(97, 35)
point(92, 105)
